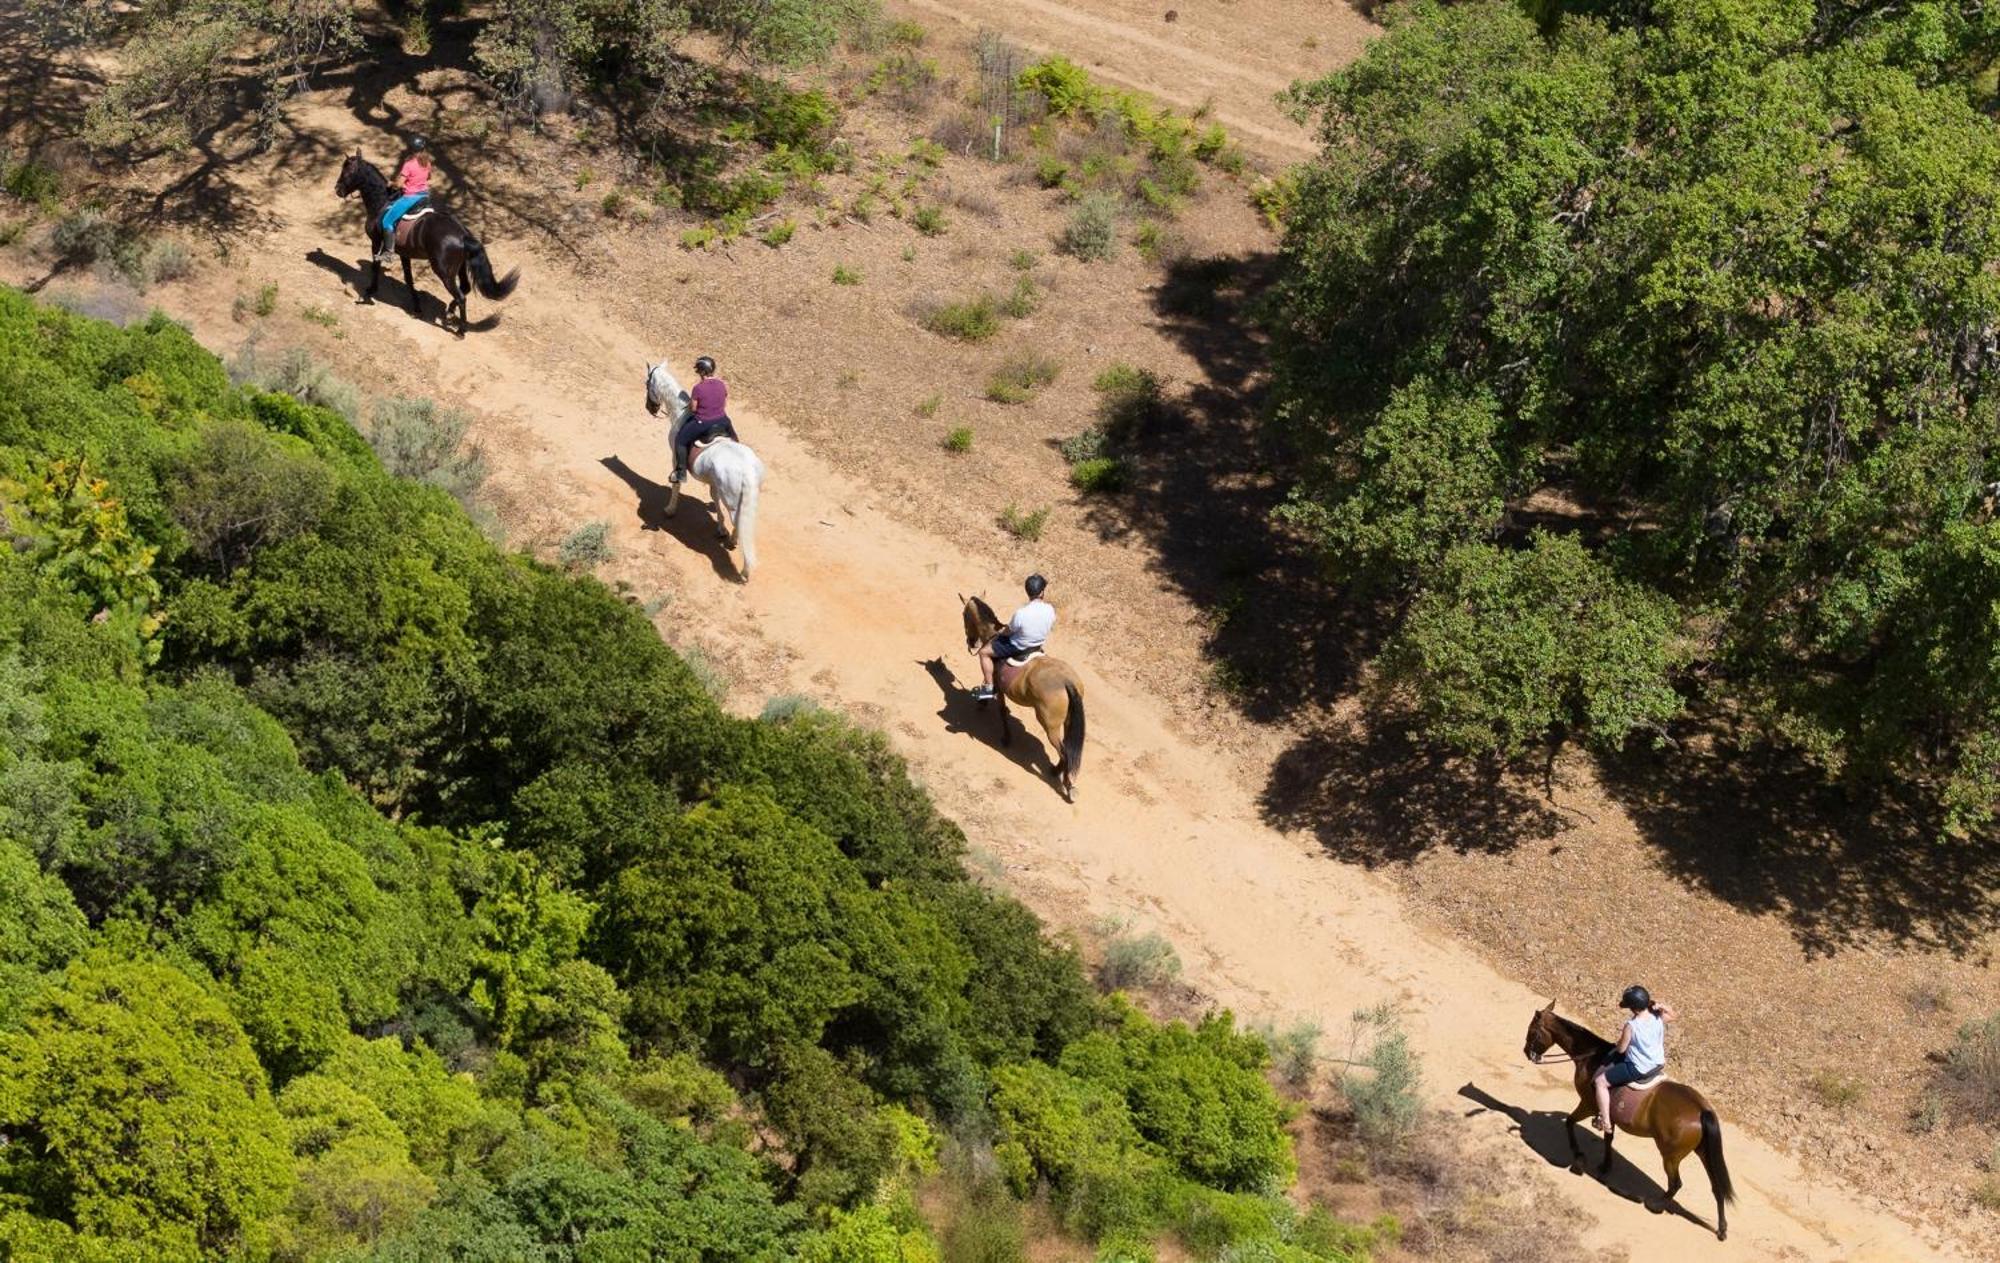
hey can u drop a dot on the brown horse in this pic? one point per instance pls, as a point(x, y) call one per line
point(1678, 1118)
point(455, 254)
point(1046, 684)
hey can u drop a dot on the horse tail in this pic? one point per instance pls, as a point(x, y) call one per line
point(746, 524)
point(482, 272)
point(1711, 1158)
point(1073, 730)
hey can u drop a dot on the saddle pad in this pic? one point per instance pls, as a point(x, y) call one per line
point(1023, 660)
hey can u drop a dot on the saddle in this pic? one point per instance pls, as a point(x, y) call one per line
point(407, 225)
point(1626, 1100)
point(1011, 669)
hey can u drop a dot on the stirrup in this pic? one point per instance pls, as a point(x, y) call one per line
point(983, 694)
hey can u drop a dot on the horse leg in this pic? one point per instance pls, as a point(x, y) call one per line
point(1604, 1167)
point(1569, 1128)
point(374, 280)
point(1670, 1157)
point(464, 298)
point(1000, 706)
point(410, 284)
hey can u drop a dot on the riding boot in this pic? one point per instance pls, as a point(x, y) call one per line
point(386, 252)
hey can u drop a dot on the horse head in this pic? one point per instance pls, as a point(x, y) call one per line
point(980, 622)
point(351, 178)
point(1541, 1033)
point(662, 388)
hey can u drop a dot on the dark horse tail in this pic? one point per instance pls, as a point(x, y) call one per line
point(1073, 731)
point(482, 272)
point(1711, 1158)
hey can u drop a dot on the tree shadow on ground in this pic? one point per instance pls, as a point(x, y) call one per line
point(1544, 1132)
point(1766, 833)
point(1205, 478)
point(1373, 794)
point(964, 716)
point(695, 531)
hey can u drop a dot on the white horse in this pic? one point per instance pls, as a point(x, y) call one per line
point(731, 470)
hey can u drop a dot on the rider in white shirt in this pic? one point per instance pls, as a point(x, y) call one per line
point(1026, 632)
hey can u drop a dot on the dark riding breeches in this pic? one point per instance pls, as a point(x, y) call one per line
point(694, 432)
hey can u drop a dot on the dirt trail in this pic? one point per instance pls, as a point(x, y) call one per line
point(852, 606)
point(1234, 57)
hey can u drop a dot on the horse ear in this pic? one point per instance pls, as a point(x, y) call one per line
point(1552, 1005)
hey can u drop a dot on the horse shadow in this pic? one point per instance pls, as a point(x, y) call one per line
point(694, 531)
point(961, 714)
point(1543, 1132)
point(431, 308)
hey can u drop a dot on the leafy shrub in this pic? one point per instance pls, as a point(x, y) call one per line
point(1387, 1100)
point(267, 299)
point(418, 440)
point(298, 374)
point(906, 33)
point(972, 321)
point(165, 260)
point(1018, 377)
point(929, 220)
point(612, 204)
point(1022, 260)
point(959, 440)
point(1137, 961)
point(1092, 231)
point(1024, 526)
point(1023, 301)
point(1100, 474)
point(786, 705)
point(1294, 1051)
point(1062, 83)
point(30, 181)
point(1834, 1090)
point(843, 275)
point(87, 236)
point(698, 238)
point(1089, 445)
point(779, 233)
point(1051, 171)
point(587, 547)
point(908, 81)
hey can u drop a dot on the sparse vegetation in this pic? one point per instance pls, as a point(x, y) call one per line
point(1294, 1051)
point(1136, 962)
point(587, 547)
point(927, 406)
point(844, 275)
point(1387, 1095)
point(1092, 231)
point(959, 440)
point(974, 320)
point(1023, 260)
point(418, 440)
point(788, 706)
point(314, 313)
point(1973, 1067)
point(929, 220)
point(1024, 526)
point(1017, 378)
point(1023, 300)
point(1102, 474)
point(1834, 1090)
point(779, 233)
point(699, 237)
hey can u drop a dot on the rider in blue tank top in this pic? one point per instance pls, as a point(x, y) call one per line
point(1641, 1051)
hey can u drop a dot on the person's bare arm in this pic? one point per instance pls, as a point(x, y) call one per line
point(1624, 1038)
point(1666, 1012)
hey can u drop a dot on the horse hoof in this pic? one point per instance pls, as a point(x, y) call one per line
point(1722, 1234)
point(1576, 1168)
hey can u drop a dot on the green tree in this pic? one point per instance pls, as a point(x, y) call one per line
point(139, 1116)
point(1708, 296)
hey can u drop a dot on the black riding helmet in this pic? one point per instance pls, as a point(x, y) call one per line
point(1035, 586)
point(1635, 997)
point(418, 144)
point(705, 366)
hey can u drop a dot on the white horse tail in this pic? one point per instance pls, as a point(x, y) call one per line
point(746, 521)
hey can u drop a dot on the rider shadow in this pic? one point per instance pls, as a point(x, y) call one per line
point(431, 308)
point(961, 714)
point(694, 531)
point(1543, 1132)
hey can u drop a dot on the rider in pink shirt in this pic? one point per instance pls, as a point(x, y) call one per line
point(416, 178)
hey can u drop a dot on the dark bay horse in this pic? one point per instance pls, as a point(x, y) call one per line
point(1677, 1118)
point(1046, 684)
point(455, 254)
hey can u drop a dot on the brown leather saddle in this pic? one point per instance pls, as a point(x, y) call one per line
point(406, 227)
point(1626, 1100)
point(1010, 670)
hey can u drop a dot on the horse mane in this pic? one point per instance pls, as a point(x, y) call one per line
point(983, 612)
point(1588, 1041)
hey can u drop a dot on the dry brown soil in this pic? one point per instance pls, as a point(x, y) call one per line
point(1305, 862)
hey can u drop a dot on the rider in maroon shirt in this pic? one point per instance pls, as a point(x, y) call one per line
point(710, 417)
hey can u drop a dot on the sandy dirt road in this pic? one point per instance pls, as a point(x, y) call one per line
point(855, 608)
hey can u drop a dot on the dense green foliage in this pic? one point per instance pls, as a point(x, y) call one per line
point(367, 893)
point(1635, 358)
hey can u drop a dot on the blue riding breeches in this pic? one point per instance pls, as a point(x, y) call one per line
point(401, 207)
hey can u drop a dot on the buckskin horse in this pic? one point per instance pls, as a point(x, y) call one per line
point(455, 254)
point(1047, 684)
point(1677, 1118)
